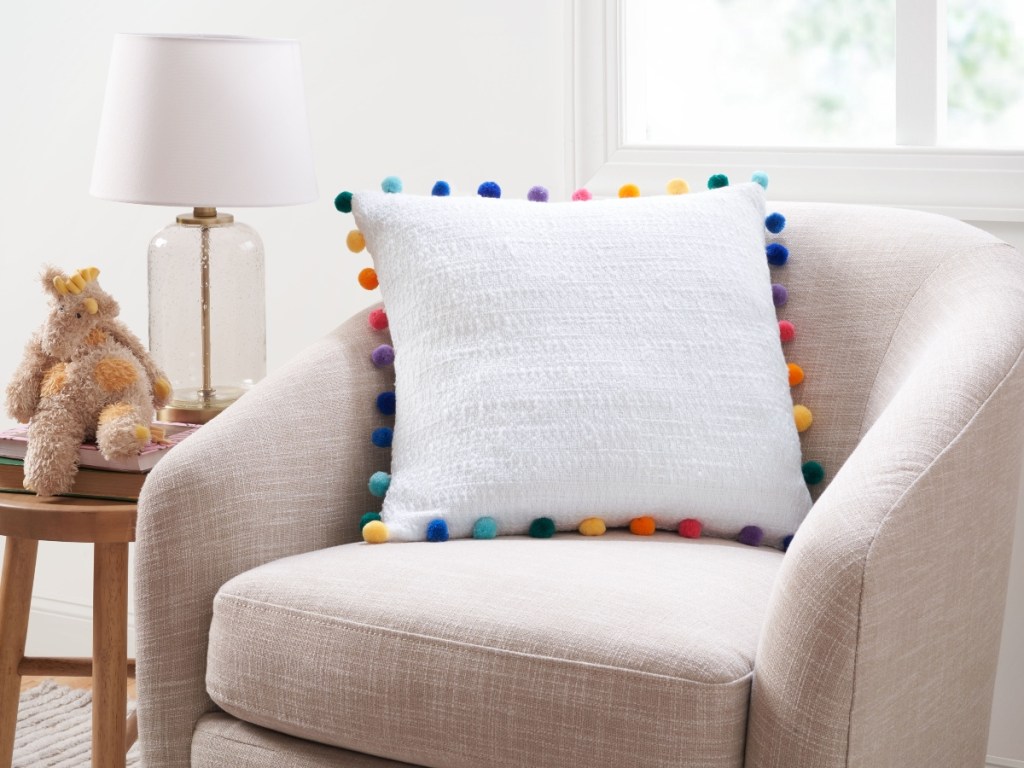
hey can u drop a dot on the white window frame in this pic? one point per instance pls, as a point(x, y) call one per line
point(974, 185)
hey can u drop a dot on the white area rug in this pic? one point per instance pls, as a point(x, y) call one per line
point(55, 728)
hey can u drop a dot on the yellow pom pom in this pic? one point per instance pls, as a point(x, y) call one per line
point(629, 190)
point(375, 532)
point(141, 432)
point(592, 526)
point(355, 241)
point(368, 278)
point(796, 374)
point(803, 417)
point(677, 187)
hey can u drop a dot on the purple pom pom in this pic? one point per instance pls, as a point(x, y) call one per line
point(779, 294)
point(437, 530)
point(537, 195)
point(775, 223)
point(383, 356)
point(751, 535)
point(489, 189)
point(777, 253)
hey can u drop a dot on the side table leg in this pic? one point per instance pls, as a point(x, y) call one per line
point(15, 601)
point(109, 655)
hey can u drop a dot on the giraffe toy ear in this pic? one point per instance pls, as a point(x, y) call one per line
point(54, 281)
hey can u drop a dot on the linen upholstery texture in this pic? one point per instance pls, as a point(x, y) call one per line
point(880, 638)
point(420, 645)
point(613, 359)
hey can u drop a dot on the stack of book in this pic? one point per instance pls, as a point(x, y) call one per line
point(97, 478)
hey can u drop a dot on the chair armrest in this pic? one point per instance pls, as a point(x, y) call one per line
point(282, 471)
point(882, 635)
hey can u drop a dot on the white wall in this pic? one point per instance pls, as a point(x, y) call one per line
point(465, 90)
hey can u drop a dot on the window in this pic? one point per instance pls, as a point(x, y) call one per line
point(918, 103)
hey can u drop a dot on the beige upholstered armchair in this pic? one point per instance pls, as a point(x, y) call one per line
point(268, 637)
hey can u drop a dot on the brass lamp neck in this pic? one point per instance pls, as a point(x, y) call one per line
point(205, 217)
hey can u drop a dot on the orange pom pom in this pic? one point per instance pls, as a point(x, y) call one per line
point(368, 278)
point(796, 374)
point(642, 526)
point(629, 190)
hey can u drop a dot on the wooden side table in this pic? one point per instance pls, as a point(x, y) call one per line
point(109, 526)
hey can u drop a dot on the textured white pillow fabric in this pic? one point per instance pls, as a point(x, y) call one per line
point(610, 359)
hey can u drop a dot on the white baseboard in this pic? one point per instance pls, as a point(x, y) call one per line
point(1003, 762)
point(59, 628)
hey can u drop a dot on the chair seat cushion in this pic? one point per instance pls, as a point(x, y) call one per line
point(623, 650)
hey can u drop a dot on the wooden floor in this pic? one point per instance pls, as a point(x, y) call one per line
point(72, 682)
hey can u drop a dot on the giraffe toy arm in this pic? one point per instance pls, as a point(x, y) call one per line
point(158, 381)
point(23, 391)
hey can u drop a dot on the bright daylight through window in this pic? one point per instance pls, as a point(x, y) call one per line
point(813, 73)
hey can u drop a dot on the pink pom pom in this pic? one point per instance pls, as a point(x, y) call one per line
point(378, 319)
point(582, 194)
point(787, 332)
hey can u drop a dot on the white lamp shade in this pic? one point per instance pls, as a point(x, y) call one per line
point(204, 121)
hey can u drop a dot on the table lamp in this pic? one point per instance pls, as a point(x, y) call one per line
point(204, 122)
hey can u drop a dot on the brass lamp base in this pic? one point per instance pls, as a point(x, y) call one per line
point(197, 409)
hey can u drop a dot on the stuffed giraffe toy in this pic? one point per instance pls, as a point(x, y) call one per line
point(84, 375)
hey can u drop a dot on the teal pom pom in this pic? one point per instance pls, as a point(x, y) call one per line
point(379, 483)
point(542, 528)
point(392, 184)
point(814, 473)
point(437, 530)
point(718, 181)
point(343, 202)
point(367, 518)
point(441, 189)
point(775, 223)
point(489, 189)
point(760, 177)
point(485, 528)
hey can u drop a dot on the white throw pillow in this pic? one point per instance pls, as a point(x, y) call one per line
point(611, 359)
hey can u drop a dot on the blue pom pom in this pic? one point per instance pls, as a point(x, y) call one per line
point(489, 189)
point(760, 177)
point(775, 223)
point(537, 195)
point(777, 253)
point(386, 403)
point(392, 184)
point(382, 437)
point(441, 189)
point(751, 535)
point(379, 483)
point(437, 530)
point(718, 181)
point(786, 541)
point(485, 528)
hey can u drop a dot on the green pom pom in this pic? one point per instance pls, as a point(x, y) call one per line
point(542, 528)
point(814, 473)
point(367, 518)
point(718, 180)
point(485, 528)
point(343, 202)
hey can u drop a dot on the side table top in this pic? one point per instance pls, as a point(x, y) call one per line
point(61, 518)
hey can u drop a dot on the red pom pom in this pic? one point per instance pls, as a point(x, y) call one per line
point(378, 319)
point(787, 331)
point(690, 528)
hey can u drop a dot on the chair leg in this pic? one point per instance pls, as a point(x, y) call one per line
point(15, 601)
point(109, 654)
